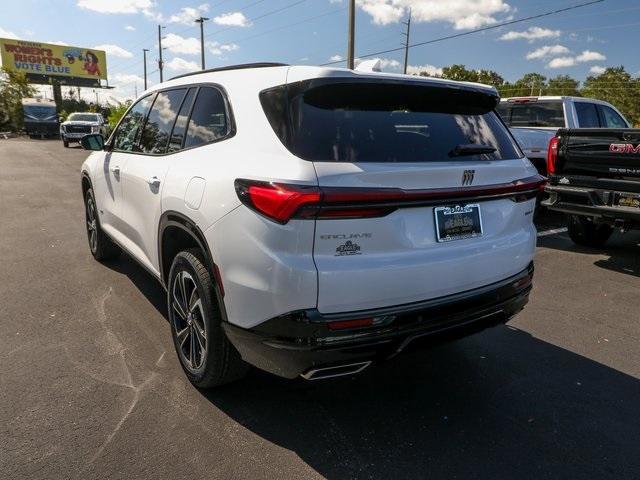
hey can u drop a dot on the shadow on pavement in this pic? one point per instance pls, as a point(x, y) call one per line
point(143, 281)
point(498, 405)
point(623, 251)
point(501, 404)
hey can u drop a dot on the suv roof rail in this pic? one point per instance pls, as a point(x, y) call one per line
point(234, 67)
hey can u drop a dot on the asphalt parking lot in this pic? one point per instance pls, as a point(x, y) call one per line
point(90, 386)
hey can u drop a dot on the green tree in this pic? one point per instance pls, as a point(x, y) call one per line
point(13, 88)
point(563, 85)
point(617, 87)
point(117, 112)
point(460, 73)
point(530, 84)
point(489, 77)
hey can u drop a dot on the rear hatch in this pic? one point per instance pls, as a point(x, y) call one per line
point(601, 153)
point(425, 194)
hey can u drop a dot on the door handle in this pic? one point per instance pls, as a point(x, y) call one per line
point(115, 169)
point(154, 182)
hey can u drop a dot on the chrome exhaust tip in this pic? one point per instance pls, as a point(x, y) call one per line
point(337, 371)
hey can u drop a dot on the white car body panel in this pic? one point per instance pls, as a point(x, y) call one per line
point(403, 245)
point(268, 269)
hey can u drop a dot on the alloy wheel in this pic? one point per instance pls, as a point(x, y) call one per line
point(188, 321)
point(92, 225)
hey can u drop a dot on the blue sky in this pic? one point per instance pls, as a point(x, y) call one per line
point(579, 43)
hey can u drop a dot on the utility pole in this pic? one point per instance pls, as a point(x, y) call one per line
point(144, 54)
point(201, 21)
point(352, 33)
point(406, 45)
point(160, 62)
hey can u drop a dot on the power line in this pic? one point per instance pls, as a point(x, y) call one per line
point(259, 17)
point(477, 30)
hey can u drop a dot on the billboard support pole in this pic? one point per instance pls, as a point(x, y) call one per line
point(144, 54)
point(57, 93)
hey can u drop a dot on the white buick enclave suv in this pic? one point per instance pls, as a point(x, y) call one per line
point(310, 221)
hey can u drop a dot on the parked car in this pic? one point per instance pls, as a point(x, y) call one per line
point(310, 221)
point(40, 117)
point(534, 121)
point(594, 177)
point(80, 124)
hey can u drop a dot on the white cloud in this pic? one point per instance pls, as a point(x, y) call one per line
point(383, 12)
point(462, 14)
point(597, 69)
point(389, 64)
point(184, 45)
point(547, 51)
point(181, 65)
point(590, 56)
point(584, 57)
point(562, 62)
point(114, 50)
point(130, 28)
point(234, 19)
point(220, 48)
point(187, 15)
point(126, 78)
point(335, 58)
point(7, 34)
point(117, 6)
point(429, 69)
point(57, 42)
point(191, 45)
point(531, 34)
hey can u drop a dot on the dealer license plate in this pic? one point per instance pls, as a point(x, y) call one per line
point(458, 222)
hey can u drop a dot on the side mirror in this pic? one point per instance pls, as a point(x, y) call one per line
point(94, 141)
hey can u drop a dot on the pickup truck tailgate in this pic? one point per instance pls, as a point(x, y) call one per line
point(601, 153)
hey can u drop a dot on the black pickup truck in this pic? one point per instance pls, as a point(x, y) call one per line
point(594, 177)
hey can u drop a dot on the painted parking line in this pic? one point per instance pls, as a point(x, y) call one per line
point(553, 231)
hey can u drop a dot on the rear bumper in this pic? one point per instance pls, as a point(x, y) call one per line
point(294, 344)
point(590, 202)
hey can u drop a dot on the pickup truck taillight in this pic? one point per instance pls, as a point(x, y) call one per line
point(552, 155)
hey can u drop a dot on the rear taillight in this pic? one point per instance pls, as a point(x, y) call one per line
point(282, 202)
point(552, 155)
point(276, 201)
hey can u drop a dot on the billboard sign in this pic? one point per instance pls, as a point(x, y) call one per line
point(42, 61)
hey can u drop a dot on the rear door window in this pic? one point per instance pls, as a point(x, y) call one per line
point(127, 135)
point(180, 127)
point(532, 114)
point(155, 136)
point(209, 121)
point(610, 118)
point(587, 115)
point(386, 122)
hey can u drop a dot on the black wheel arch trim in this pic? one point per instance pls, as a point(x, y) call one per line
point(172, 218)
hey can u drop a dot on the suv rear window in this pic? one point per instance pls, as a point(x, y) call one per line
point(534, 114)
point(334, 120)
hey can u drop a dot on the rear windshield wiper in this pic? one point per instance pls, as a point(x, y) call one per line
point(471, 149)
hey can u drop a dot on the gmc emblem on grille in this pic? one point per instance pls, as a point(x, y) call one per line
point(467, 177)
point(624, 148)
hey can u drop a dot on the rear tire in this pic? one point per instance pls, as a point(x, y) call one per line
point(101, 246)
point(584, 231)
point(205, 353)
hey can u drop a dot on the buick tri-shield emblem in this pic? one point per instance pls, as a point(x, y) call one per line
point(467, 177)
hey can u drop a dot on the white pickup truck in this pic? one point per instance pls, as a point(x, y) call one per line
point(534, 121)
